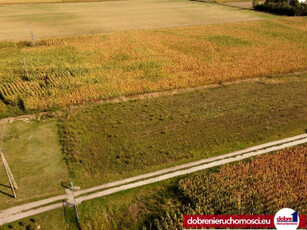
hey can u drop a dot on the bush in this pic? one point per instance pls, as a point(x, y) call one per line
point(282, 7)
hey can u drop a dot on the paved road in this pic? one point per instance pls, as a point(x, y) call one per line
point(30, 209)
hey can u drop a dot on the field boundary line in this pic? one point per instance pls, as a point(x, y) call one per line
point(144, 96)
point(132, 97)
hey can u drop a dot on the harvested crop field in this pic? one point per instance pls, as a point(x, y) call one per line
point(106, 142)
point(57, 20)
point(64, 71)
point(9, 2)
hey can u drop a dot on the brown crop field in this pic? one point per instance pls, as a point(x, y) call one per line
point(58, 72)
point(259, 186)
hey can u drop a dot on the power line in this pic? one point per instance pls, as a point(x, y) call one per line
point(9, 174)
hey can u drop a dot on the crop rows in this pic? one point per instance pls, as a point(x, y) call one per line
point(20, 92)
point(87, 68)
point(259, 186)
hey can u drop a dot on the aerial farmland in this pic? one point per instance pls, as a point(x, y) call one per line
point(140, 114)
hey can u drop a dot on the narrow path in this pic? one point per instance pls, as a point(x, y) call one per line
point(34, 208)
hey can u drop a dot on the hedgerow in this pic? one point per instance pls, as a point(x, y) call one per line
point(283, 7)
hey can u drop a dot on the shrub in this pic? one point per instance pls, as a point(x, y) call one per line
point(282, 7)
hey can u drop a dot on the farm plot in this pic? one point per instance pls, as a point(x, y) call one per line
point(65, 71)
point(56, 20)
point(8, 2)
point(113, 141)
point(34, 154)
point(260, 185)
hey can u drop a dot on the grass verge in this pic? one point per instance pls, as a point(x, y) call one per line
point(34, 154)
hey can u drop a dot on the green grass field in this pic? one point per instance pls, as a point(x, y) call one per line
point(105, 142)
point(34, 154)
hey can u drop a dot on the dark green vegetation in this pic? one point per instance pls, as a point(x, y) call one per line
point(9, 111)
point(34, 154)
point(105, 142)
point(58, 219)
point(283, 7)
point(260, 185)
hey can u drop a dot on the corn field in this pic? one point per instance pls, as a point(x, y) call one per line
point(59, 72)
point(262, 185)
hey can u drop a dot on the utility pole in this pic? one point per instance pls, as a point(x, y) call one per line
point(9, 174)
point(75, 204)
point(8, 171)
point(32, 35)
point(26, 69)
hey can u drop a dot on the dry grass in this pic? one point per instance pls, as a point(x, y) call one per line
point(88, 68)
point(8, 2)
point(57, 20)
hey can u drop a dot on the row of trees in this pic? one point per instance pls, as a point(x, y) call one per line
point(282, 7)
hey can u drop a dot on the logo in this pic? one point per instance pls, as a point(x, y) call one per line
point(286, 219)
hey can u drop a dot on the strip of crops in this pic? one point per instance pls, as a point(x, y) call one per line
point(260, 186)
point(58, 72)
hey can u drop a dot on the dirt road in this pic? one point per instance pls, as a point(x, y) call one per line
point(30, 209)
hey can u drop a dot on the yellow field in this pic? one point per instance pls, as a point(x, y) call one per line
point(63, 71)
point(73, 19)
point(46, 1)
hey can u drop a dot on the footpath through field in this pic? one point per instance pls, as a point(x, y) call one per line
point(34, 208)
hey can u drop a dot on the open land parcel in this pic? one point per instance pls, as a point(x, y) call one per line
point(107, 142)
